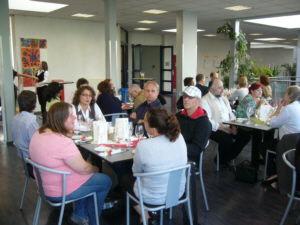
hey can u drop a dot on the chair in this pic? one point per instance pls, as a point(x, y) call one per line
point(266, 162)
point(201, 177)
point(114, 116)
point(288, 162)
point(20, 149)
point(41, 194)
point(218, 159)
point(173, 187)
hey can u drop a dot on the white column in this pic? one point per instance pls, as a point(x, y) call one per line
point(186, 47)
point(234, 67)
point(298, 59)
point(6, 76)
point(111, 42)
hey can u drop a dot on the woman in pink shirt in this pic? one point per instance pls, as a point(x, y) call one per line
point(52, 147)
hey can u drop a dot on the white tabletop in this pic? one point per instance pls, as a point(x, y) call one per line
point(252, 125)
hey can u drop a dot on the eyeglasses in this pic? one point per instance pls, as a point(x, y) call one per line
point(86, 95)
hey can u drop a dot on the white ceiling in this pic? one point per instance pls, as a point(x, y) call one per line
point(211, 14)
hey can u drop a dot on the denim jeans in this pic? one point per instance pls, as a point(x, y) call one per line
point(84, 208)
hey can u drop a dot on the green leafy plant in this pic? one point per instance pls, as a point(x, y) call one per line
point(245, 64)
point(291, 69)
point(275, 71)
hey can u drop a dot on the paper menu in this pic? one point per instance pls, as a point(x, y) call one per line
point(100, 132)
point(122, 122)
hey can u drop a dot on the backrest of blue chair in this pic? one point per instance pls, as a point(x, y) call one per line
point(114, 116)
point(38, 177)
point(21, 149)
point(174, 181)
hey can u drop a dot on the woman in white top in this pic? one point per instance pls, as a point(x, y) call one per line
point(287, 120)
point(84, 104)
point(242, 89)
point(43, 77)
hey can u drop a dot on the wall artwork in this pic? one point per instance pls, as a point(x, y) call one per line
point(216, 62)
point(206, 61)
point(31, 57)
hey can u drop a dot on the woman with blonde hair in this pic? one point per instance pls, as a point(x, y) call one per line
point(242, 89)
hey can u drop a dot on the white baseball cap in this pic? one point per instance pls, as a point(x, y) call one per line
point(192, 91)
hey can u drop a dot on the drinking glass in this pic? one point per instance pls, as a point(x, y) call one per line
point(257, 116)
point(249, 112)
point(89, 123)
point(79, 120)
point(101, 132)
point(130, 99)
point(130, 132)
point(139, 131)
point(120, 134)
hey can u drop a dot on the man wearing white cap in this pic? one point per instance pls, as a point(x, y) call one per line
point(194, 123)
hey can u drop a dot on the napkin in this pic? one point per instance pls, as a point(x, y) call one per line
point(100, 131)
point(125, 106)
point(122, 122)
point(264, 109)
point(257, 121)
point(110, 152)
point(134, 143)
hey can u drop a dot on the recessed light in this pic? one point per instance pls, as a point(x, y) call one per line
point(83, 15)
point(287, 42)
point(273, 41)
point(256, 43)
point(238, 8)
point(155, 11)
point(289, 22)
point(141, 28)
point(175, 30)
point(147, 21)
point(210, 35)
point(295, 39)
point(270, 39)
point(33, 6)
point(255, 34)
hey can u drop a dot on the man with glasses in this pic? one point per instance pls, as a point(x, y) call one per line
point(231, 140)
point(194, 123)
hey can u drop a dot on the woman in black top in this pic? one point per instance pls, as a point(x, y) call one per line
point(43, 76)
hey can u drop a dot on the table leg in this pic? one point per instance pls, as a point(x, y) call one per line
point(256, 139)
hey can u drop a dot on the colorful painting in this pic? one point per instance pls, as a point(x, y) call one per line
point(31, 57)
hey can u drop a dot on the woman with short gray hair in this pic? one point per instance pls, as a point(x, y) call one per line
point(287, 120)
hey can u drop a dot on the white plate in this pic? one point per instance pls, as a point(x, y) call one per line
point(84, 129)
point(240, 120)
point(76, 137)
point(76, 132)
point(102, 149)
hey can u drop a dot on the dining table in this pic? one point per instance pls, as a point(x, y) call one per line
point(252, 125)
point(126, 154)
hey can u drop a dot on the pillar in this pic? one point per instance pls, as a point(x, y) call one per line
point(6, 76)
point(298, 60)
point(186, 47)
point(234, 66)
point(111, 42)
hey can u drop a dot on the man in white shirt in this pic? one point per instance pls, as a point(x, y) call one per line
point(231, 140)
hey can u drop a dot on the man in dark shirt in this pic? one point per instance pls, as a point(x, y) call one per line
point(200, 79)
point(151, 92)
point(194, 123)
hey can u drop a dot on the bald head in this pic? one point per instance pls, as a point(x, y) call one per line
point(213, 75)
point(216, 87)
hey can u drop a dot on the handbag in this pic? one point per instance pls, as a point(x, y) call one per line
point(245, 172)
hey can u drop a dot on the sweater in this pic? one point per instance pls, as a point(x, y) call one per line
point(196, 131)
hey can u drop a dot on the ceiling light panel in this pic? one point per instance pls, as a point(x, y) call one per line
point(147, 21)
point(255, 34)
point(289, 22)
point(238, 8)
point(270, 39)
point(209, 35)
point(142, 28)
point(175, 30)
point(83, 15)
point(26, 5)
point(155, 11)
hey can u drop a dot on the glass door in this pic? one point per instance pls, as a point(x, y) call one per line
point(166, 69)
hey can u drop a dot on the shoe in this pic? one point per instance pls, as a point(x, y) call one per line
point(77, 221)
point(150, 222)
point(268, 182)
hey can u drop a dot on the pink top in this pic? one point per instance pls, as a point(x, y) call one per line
point(52, 151)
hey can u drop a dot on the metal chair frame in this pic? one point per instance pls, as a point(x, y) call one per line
point(266, 162)
point(292, 194)
point(173, 187)
point(21, 149)
point(218, 158)
point(114, 116)
point(41, 194)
